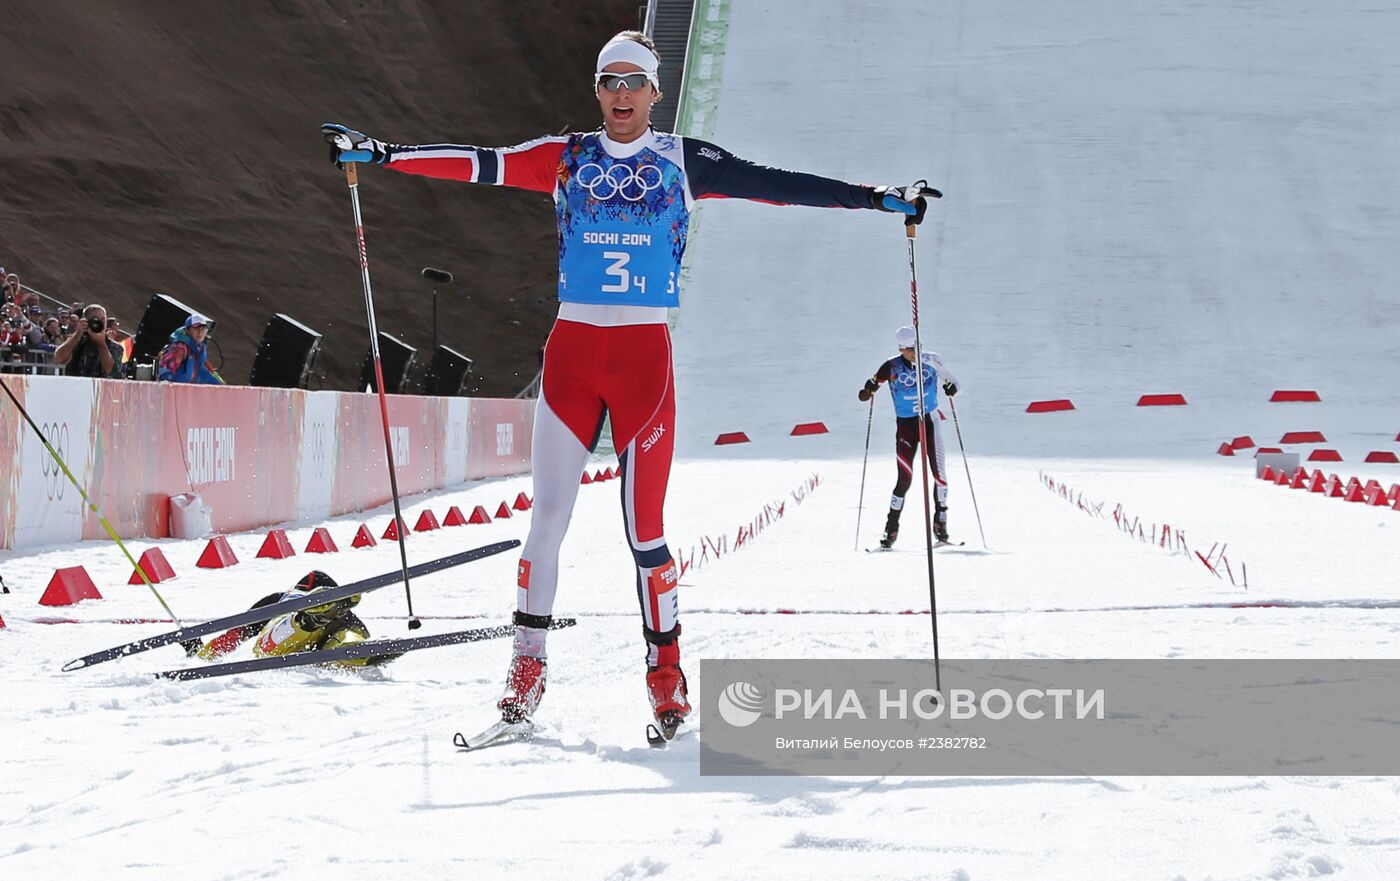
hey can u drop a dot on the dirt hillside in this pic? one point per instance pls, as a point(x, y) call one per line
point(173, 146)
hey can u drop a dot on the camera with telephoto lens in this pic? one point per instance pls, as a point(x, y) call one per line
point(96, 325)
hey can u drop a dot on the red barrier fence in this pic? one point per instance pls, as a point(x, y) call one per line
point(255, 455)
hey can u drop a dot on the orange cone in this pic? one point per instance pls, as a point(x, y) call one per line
point(396, 527)
point(276, 546)
point(321, 542)
point(217, 554)
point(363, 538)
point(156, 567)
point(454, 517)
point(69, 586)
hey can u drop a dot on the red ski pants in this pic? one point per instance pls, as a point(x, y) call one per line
point(592, 373)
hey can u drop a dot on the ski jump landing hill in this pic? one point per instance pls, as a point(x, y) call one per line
point(1198, 200)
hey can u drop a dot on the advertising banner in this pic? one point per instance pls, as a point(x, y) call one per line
point(256, 456)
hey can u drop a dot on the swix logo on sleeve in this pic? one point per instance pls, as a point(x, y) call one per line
point(522, 575)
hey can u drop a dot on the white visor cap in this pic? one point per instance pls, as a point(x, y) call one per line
point(622, 48)
point(904, 337)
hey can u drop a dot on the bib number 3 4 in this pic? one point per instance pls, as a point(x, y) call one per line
point(625, 281)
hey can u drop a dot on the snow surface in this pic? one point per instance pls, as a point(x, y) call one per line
point(1181, 197)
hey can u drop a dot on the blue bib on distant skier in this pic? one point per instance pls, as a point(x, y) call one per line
point(904, 387)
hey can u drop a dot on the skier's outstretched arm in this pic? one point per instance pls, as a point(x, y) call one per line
point(533, 165)
point(716, 173)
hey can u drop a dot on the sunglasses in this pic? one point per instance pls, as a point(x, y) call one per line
point(614, 81)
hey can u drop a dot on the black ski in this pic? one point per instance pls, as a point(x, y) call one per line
point(371, 649)
point(936, 546)
point(295, 604)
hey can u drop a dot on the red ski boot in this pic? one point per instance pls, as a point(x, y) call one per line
point(666, 688)
point(524, 688)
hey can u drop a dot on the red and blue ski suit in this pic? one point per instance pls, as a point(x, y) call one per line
point(623, 213)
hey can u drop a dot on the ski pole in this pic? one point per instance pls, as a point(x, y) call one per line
point(909, 229)
point(353, 182)
point(112, 533)
point(860, 506)
point(963, 450)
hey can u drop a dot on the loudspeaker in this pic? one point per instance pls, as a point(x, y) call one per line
point(163, 315)
point(396, 357)
point(448, 373)
point(285, 354)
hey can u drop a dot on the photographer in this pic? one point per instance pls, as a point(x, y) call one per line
point(88, 352)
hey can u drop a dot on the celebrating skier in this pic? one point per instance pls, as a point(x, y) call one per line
point(623, 197)
point(903, 376)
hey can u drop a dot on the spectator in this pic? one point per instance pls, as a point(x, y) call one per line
point(184, 358)
point(11, 312)
point(53, 333)
point(32, 328)
point(12, 291)
point(88, 352)
point(9, 335)
point(72, 321)
point(126, 342)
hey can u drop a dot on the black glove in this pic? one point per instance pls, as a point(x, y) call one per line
point(950, 389)
point(911, 201)
point(865, 395)
point(871, 387)
point(348, 145)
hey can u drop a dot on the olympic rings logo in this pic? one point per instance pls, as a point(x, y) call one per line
point(906, 377)
point(632, 184)
point(57, 433)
